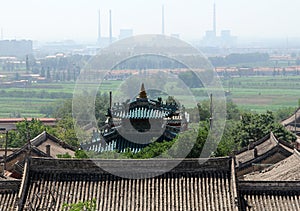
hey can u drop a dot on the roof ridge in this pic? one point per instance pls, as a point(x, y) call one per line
point(252, 145)
point(281, 142)
point(132, 166)
point(36, 141)
point(42, 137)
point(273, 138)
point(297, 153)
point(60, 142)
point(289, 117)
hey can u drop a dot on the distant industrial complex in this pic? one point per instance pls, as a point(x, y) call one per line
point(212, 40)
point(21, 48)
point(213, 43)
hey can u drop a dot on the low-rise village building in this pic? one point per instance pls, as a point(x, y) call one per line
point(274, 188)
point(261, 154)
point(44, 145)
point(292, 123)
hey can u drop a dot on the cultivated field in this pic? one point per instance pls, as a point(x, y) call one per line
point(264, 93)
point(258, 94)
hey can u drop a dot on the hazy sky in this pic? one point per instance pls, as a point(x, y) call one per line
point(77, 19)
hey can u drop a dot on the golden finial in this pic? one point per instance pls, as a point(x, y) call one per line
point(143, 93)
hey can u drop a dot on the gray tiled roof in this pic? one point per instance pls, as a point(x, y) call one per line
point(285, 170)
point(141, 113)
point(264, 148)
point(8, 194)
point(189, 186)
point(269, 196)
point(36, 146)
point(291, 119)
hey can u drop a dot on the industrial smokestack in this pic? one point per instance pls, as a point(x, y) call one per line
point(214, 21)
point(110, 28)
point(163, 20)
point(99, 27)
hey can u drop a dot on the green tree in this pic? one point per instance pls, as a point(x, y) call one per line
point(284, 113)
point(48, 75)
point(43, 72)
point(190, 79)
point(227, 144)
point(153, 150)
point(66, 155)
point(64, 109)
point(200, 141)
point(17, 76)
point(202, 111)
point(81, 154)
point(101, 106)
point(64, 130)
point(26, 130)
point(253, 127)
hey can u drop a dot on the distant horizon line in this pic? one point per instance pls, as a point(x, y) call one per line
point(90, 39)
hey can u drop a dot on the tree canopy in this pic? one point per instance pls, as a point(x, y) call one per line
point(241, 129)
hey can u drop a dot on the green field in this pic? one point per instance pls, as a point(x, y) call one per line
point(264, 93)
point(257, 93)
point(28, 101)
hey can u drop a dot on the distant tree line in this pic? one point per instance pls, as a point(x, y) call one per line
point(35, 94)
point(234, 59)
point(149, 62)
point(59, 68)
point(190, 79)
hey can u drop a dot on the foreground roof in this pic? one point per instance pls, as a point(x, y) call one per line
point(286, 170)
point(271, 196)
point(274, 188)
point(268, 150)
point(8, 194)
point(190, 186)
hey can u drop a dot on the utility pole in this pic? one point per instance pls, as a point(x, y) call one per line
point(211, 112)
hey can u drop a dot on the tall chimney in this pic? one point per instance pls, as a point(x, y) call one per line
point(215, 21)
point(110, 28)
point(163, 20)
point(99, 27)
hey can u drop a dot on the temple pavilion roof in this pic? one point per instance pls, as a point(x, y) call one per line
point(141, 113)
